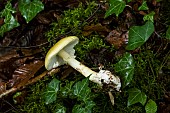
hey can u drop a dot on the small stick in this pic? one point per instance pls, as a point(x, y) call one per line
point(111, 98)
point(13, 89)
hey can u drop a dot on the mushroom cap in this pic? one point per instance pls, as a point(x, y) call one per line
point(52, 60)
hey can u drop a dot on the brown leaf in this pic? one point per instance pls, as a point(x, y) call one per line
point(6, 41)
point(136, 6)
point(167, 97)
point(6, 55)
point(31, 37)
point(117, 38)
point(1, 21)
point(11, 61)
point(164, 105)
point(48, 17)
point(7, 67)
point(2, 87)
point(154, 2)
point(142, 13)
point(87, 30)
point(108, 21)
point(16, 53)
point(66, 72)
point(22, 74)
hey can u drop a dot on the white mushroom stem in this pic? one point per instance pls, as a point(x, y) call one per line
point(104, 76)
point(84, 70)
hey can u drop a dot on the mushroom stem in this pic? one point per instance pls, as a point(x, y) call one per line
point(84, 70)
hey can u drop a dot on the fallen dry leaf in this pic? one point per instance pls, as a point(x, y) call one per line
point(87, 30)
point(17, 67)
point(164, 107)
point(22, 74)
point(117, 38)
point(1, 21)
point(7, 68)
point(2, 87)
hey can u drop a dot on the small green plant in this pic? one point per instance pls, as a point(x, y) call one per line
point(79, 91)
point(29, 9)
point(34, 101)
point(88, 44)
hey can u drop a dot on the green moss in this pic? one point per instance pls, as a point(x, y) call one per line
point(103, 104)
point(33, 102)
point(146, 74)
point(71, 21)
point(89, 43)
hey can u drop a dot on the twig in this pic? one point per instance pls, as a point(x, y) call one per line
point(37, 78)
point(28, 83)
point(10, 105)
point(8, 91)
point(111, 98)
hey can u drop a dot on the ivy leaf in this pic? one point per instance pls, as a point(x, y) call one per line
point(81, 90)
point(87, 108)
point(116, 7)
point(151, 106)
point(149, 16)
point(29, 9)
point(135, 96)
point(168, 33)
point(50, 94)
point(67, 89)
point(60, 109)
point(138, 35)
point(125, 67)
point(143, 6)
point(9, 21)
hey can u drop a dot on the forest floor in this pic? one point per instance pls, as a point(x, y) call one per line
point(102, 42)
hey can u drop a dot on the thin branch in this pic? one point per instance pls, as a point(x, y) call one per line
point(14, 89)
